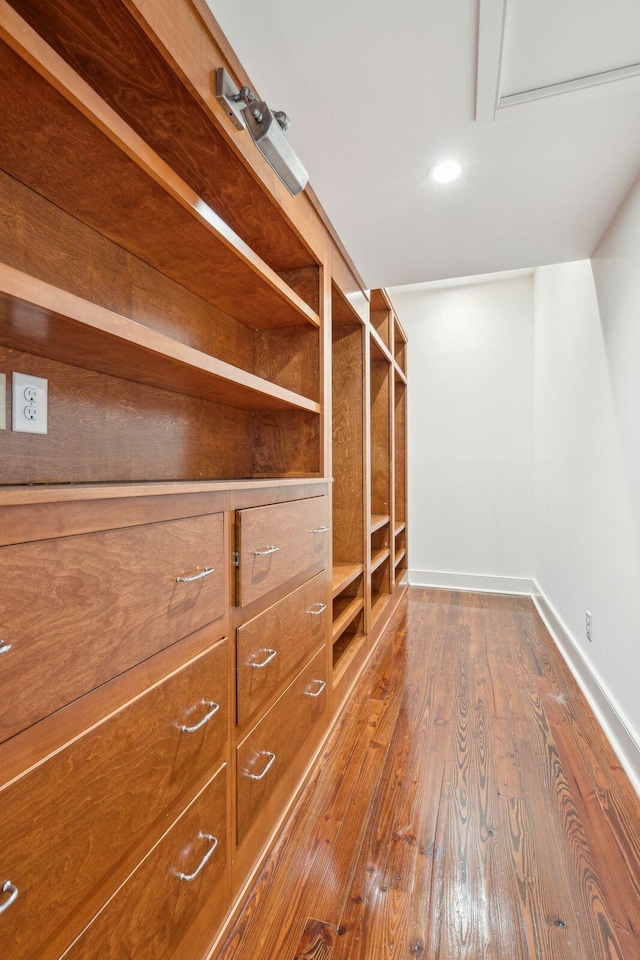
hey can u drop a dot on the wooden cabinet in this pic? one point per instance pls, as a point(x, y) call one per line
point(68, 824)
point(197, 558)
point(266, 753)
point(174, 899)
point(274, 642)
point(279, 541)
point(130, 592)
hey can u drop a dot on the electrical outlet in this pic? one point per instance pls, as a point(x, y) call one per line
point(588, 625)
point(3, 401)
point(30, 400)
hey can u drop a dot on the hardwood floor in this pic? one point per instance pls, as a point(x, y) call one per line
point(467, 807)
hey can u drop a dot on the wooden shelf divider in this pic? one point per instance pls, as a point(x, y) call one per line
point(399, 557)
point(378, 605)
point(399, 527)
point(379, 350)
point(378, 521)
point(168, 225)
point(379, 557)
point(343, 575)
point(345, 609)
point(39, 318)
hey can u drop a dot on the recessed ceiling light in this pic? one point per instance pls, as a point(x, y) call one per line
point(446, 171)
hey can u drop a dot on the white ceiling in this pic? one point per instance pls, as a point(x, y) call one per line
point(378, 92)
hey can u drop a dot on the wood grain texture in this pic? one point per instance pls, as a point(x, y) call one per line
point(39, 318)
point(111, 51)
point(69, 825)
point(100, 179)
point(286, 628)
point(98, 604)
point(286, 443)
point(40, 239)
point(296, 529)
point(380, 452)
point(289, 357)
point(156, 914)
point(317, 941)
point(454, 812)
point(271, 747)
point(348, 443)
point(104, 429)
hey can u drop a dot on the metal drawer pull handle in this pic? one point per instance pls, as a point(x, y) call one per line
point(205, 860)
point(271, 654)
point(320, 608)
point(322, 683)
point(4, 647)
point(213, 709)
point(12, 890)
point(261, 776)
point(197, 576)
point(320, 530)
point(267, 550)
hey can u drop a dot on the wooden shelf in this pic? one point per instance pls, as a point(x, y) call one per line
point(399, 527)
point(379, 558)
point(344, 609)
point(378, 521)
point(399, 557)
point(38, 318)
point(400, 375)
point(116, 184)
point(378, 605)
point(379, 350)
point(343, 575)
point(344, 652)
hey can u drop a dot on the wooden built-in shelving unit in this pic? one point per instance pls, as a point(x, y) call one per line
point(213, 362)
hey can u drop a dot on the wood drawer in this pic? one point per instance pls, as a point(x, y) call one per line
point(267, 752)
point(279, 541)
point(71, 821)
point(80, 610)
point(273, 644)
point(157, 914)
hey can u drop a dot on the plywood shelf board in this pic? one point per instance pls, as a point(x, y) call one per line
point(141, 203)
point(345, 655)
point(400, 375)
point(117, 54)
point(379, 350)
point(37, 317)
point(400, 555)
point(399, 528)
point(378, 605)
point(378, 521)
point(343, 575)
point(346, 610)
point(378, 558)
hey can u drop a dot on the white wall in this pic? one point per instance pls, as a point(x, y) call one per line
point(587, 476)
point(470, 433)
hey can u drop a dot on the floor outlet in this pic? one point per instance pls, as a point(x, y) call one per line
point(30, 401)
point(588, 624)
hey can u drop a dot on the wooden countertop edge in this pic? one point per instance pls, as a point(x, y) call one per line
point(12, 496)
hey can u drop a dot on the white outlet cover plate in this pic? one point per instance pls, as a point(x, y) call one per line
point(3, 401)
point(37, 422)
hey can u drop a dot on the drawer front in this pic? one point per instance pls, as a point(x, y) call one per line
point(77, 611)
point(155, 914)
point(279, 541)
point(71, 820)
point(267, 752)
point(273, 644)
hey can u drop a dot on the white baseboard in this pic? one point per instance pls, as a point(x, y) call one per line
point(618, 732)
point(474, 583)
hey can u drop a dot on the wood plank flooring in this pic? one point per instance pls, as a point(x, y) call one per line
point(466, 807)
